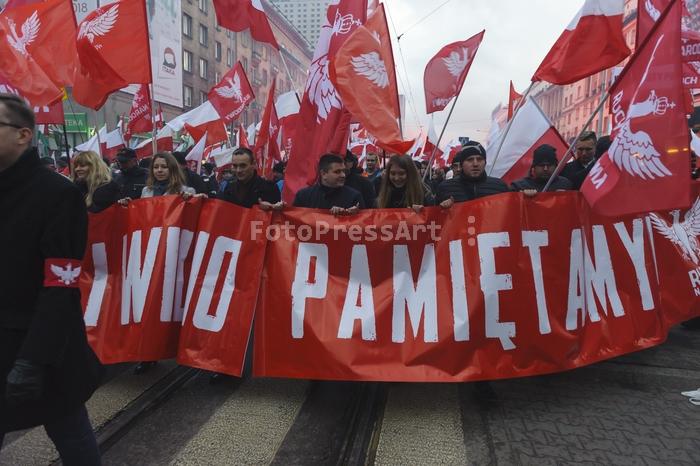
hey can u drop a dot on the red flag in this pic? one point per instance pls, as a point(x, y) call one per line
point(242, 137)
point(431, 150)
point(215, 131)
point(323, 122)
point(445, 73)
point(646, 167)
point(363, 71)
point(592, 42)
point(140, 113)
point(232, 94)
point(266, 148)
point(239, 15)
point(649, 11)
point(45, 114)
point(114, 51)
point(159, 120)
point(513, 100)
point(164, 143)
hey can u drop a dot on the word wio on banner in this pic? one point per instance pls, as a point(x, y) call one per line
point(500, 287)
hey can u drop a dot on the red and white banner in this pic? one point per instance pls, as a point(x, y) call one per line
point(232, 94)
point(487, 290)
point(445, 73)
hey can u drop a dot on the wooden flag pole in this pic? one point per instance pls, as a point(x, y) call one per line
point(154, 132)
point(510, 123)
point(570, 151)
point(289, 75)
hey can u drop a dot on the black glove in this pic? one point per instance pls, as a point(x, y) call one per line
point(25, 383)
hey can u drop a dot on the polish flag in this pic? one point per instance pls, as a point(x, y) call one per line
point(591, 43)
point(432, 153)
point(232, 94)
point(323, 120)
point(164, 143)
point(239, 15)
point(416, 152)
point(646, 167)
point(445, 73)
point(451, 150)
point(93, 144)
point(112, 142)
point(530, 129)
point(215, 132)
point(287, 111)
point(363, 71)
point(513, 100)
point(197, 152)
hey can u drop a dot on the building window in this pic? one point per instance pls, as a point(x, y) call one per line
point(244, 62)
point(203, 35)
point(203, 6)
point(264, 77)
point(202, 97)
point(217, 77)
point(186, 25)
point(203, 68)
point(187, 95)
point(229, 57)
point(187, 60)
point(217, 50)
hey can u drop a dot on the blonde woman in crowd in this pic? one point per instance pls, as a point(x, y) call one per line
point(93, 178)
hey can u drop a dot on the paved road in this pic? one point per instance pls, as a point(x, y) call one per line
point(625, 411)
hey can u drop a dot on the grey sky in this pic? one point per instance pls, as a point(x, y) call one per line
point(518, 35)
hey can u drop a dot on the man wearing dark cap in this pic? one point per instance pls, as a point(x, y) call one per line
point(472, 182)
point(192, 179)
point(47, 369)
point(584, 159)
point(131, 178)
point(544, 161)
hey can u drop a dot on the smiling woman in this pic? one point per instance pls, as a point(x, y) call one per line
point(94, 180)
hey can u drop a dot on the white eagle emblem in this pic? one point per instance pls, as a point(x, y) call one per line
point(634, 150)
point(456, 64)
point(100, 25)
point(682, 234)
point(67, 275)
point(371, 67)
point(30, 29)
point(233, 90)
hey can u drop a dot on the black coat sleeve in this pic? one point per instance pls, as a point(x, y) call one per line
point(57, 310)
point(270, 193)
point(104, 197)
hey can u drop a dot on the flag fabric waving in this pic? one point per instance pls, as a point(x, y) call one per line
point(232, 94)
point(363, 72)
point(266, 147)
point(140, 113)
point(513, 100)
point(323, 121)
point(239, 15)
point(114, 51)
point(445, 73)
point(592, 42)
point(646, 167)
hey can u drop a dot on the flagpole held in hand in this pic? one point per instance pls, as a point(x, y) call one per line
point(510, 123)
point(442, 133)
point(570, 152)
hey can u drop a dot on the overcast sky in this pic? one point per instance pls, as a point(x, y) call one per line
point(518, 35)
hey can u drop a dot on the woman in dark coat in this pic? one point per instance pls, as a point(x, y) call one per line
point(402, 186)
point(93, 178)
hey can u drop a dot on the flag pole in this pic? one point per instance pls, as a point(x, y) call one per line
point(154, 141)
point(97, 133)
point(289, 75)
point(442, 133)
point(521, 102)
point(570, 151)
point(65, 140)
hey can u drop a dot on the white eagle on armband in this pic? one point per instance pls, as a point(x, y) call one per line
point(66, 275)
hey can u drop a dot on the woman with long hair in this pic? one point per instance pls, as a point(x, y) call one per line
point(402, 187)
point(94, 179)
point(164, 177)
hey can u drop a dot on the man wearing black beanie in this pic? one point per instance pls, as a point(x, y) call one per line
point(472, 183)
point(544, 162)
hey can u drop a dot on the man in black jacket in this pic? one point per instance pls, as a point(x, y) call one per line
point(131, 178)
point(330, 192)
point(192, 179)
point(47, 369)
point(355, 180)
point(472, 182)
point(247, 188)
point(544, 162)
point(584, 159)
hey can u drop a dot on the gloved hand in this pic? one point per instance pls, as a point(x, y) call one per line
point(25, 382)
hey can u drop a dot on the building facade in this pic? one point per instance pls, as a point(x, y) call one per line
point(306, 15)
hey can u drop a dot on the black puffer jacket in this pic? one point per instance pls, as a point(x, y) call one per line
point(559, 184)
point(131, 182)
point(323, 197)
point(356, 181)
point(463, 189)
point(247, 194)
point(43, 216)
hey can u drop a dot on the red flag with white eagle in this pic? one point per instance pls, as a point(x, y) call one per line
point(45, 114)
point(239, 15)
point(266, 147)
point(114, 51)
point(323, 121)
point(232, 94)
point(140, 113)
point(363, 72)
point(592, 42)
point(445, 73)
point(513, 100)
point(646, 167)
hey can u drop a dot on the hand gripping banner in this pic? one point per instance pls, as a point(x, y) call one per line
point(500, 287)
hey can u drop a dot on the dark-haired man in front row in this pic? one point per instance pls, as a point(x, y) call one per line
point(544, 162)
point(472, 181)
point(330, 192)
point(584, 159)
point(247, 188)
point(47, 369)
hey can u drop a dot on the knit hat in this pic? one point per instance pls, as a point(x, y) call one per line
point(470, 149)
point(543, 155)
